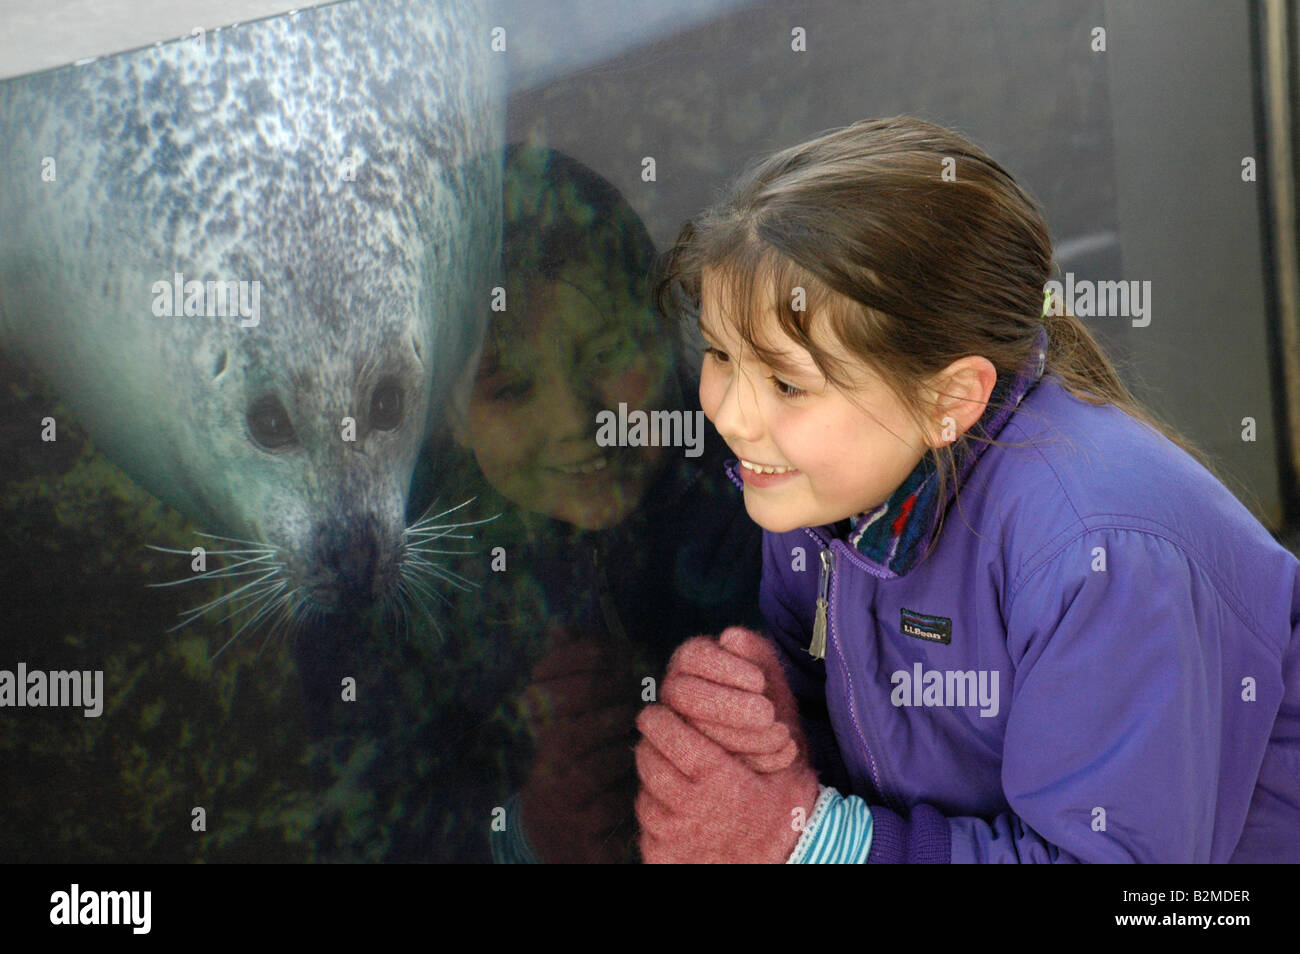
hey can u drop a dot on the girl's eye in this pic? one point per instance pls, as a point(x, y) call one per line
point(715, 354)
point(510, 391)
point(786, 390)
point(611, 352)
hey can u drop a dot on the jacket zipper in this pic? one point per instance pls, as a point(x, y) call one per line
point(817, 648)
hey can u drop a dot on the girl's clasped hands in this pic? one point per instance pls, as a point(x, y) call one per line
point(725, 769)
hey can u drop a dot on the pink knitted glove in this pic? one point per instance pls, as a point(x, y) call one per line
point(699, 804)
point(735, 692)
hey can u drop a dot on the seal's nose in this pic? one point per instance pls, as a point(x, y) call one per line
point(350, 553)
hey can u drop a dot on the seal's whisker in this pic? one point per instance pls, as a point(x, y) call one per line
point(313, 613)
point(429, 538)
point(224, 646)
point(293, 617)
point(427, 517)
point(258, 596)
point(399, 607)
point(419, 557)
point(301, 613)
point(423, 546)
point(427, 529)
point(426, 537)
point(438, 529)
point(466, 587)
point(268, 601)
point(405, 593)
point(250, 600)
point(264, 600)
point(394, 611)
point(418, 564)
point(429, 572)
point(420, 571)
point(213, 604)
point(264, 550)
point(402, 602)
point(407, 585)
point(419, 548)
point(282, 606)
point(278, 606)
point(252, 543)
point(221, 573)
point(253, 600)
point(419, 587)
point(443, 573)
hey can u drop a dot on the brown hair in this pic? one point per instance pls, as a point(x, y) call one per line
point(912, 271)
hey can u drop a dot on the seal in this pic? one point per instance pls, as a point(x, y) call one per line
point(252, 263)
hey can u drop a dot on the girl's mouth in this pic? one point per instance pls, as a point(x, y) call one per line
point(764, 475)
point(584, 468)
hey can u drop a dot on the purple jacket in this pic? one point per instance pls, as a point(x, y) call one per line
point(1099, 662)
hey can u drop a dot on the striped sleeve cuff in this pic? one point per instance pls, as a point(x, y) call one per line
point(838, 833)
point(511, 847)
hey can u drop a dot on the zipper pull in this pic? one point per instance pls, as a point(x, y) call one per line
point(817, 649)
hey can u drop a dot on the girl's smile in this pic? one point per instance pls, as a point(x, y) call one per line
point(757, 475)
point(766, 468)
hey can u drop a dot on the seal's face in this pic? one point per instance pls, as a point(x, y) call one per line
point(316, 442)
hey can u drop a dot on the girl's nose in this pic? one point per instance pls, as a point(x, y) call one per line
point(737, 417)
point(569, 411)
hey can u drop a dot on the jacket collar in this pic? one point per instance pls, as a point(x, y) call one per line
point(894, 535)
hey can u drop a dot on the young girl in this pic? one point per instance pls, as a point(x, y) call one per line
point(1019, 621)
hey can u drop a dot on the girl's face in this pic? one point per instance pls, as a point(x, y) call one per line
point(845, 456)
point(532, 418)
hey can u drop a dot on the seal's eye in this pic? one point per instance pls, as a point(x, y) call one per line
point(268, 422)
point(386, 407)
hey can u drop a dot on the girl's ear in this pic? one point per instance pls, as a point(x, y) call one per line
point(960, 395)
